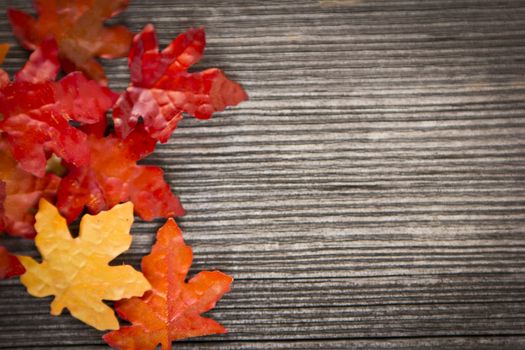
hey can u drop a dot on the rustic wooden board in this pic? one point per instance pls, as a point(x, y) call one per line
point(370, 195)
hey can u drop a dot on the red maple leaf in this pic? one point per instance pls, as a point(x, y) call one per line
point(112, 176)
point(161, 89)
point(42, 65)
point(172, 310)
point(10, 266)
point(22, 191)
point(78, 28)
point(37, 111)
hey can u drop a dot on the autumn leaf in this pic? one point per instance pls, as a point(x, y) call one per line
point(9, 265)
point(161, 89)
point(22, 193)
point(112, 176)
point(4, 48)
point(22, 190)
point(78, 28)
point(3, 195)
point(37, 112)
point(76, 270)
point(42, 65)
point(171, 311)
point(4, 77)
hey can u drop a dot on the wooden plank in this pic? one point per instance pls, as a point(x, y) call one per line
point(481, 343)
point(371, 194)
point(311, 309)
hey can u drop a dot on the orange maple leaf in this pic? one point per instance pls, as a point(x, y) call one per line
point(76, 270)
point(171, 310)
point(78, 28)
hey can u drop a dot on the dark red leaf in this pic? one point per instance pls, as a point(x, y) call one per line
point(36, 112)
point(10, 266)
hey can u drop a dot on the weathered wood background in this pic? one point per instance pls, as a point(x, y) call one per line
point(370, 195)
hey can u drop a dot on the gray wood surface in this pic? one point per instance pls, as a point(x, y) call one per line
point(370, 195)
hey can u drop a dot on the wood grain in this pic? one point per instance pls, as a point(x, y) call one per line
point(370, 195)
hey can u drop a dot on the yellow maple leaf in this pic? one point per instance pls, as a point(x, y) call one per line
point(76, 270)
